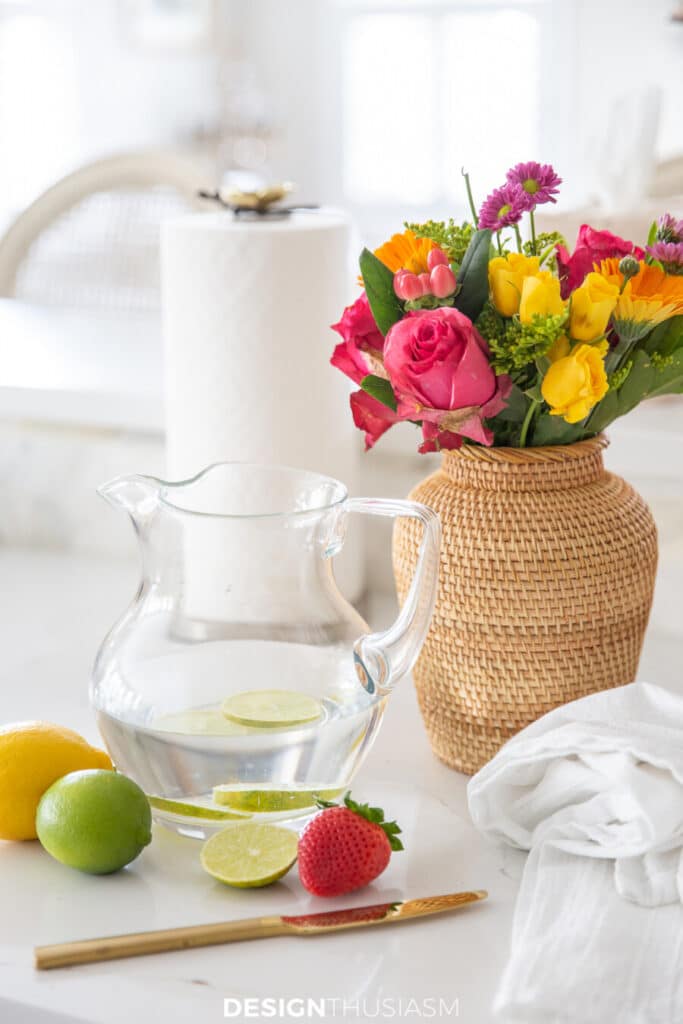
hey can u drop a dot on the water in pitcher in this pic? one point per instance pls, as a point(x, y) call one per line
point(199, 755)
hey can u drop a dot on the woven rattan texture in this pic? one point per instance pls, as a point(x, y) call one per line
point(547, 573)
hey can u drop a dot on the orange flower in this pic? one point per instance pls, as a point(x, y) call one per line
point(406, 252)
point(650, 295)
point(648, 298)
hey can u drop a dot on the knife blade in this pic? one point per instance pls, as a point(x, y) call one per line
point(115, 947)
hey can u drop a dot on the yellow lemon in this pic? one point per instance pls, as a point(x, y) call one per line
point(33, 755)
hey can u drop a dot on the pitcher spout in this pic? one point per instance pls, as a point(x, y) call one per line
point(137, 495)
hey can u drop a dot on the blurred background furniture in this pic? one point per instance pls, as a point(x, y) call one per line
point(92, 239)
point(667, 179)
point(79, 292)
point(664, 191)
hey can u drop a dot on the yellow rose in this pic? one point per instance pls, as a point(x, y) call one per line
point(506, 276)
point(591, 307)
point(577, 382)
point(540, 295)
point(559, 349)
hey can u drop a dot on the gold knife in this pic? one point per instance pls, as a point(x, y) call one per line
point(115, 947)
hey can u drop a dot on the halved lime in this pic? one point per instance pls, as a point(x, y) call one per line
point(270, 800)
point(200, 723)
point(160, 803)
point(249, 855)
point(268, 709)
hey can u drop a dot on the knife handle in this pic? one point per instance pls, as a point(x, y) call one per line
point(115, 947)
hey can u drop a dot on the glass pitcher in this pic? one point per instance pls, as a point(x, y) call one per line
point(240, 682)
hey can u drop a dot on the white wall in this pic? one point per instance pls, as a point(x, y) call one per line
point(624, 46)
point(627, 44)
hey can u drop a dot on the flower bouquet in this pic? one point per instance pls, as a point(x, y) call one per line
point(512, 356)
point(478, 336)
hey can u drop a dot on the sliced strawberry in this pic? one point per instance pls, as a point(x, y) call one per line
point(345, 847)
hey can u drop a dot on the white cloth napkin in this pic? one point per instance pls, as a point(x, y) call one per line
point(594, 790)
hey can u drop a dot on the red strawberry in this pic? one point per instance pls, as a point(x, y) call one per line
point(344, 848)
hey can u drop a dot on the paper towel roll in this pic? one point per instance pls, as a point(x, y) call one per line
point(247, 306)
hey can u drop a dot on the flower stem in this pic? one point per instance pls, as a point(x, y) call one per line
point(533, 406)
point(470, 198)
point(545, 254)
point(500, 247)
point(518, 237)
point(532, 224)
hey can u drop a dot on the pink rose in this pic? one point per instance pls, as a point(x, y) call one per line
point(362, 341)
point(591, 247)
point(371, 416)
point(438, 365)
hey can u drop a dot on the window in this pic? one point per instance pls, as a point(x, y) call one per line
point(39, 122)
point(428, 88)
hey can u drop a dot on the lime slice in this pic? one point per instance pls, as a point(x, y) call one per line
point(268, 709)
point(270, 800)
point(200, 723)
point(160, 803)
point(249, 855)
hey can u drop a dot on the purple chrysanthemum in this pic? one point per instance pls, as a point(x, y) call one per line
point(669, 229)
point(502, 208)
point(669, 254)
point(539, 183)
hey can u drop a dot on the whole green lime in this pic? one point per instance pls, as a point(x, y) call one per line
point(95, 821)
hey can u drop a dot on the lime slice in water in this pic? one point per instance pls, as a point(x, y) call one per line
point(160, 803)
point(270, 800)
point(249, 855)
point(200, 723)
point(268, 709)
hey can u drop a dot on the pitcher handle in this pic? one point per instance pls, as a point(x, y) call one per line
point(383, 658)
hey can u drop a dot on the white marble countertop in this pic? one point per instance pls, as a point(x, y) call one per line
point(56, 607)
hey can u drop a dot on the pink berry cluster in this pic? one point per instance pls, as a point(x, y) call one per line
point(440, 281)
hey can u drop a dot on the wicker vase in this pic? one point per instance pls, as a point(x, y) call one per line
point(547, 572)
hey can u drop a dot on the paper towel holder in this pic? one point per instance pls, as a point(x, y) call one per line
point(257, 203)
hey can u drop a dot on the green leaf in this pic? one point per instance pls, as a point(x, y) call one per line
point(534, 392)
point(668, 379)
point(652, 233)
point(554, 430)
point(473, 279)
point(616, 357)
point(514, 411)
point(379, 288)
point(376, 816)
point(429, 302)
point(604, 412)
point(666, 338)
point(380, 389)
point(638, 383)
point(622, 400)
